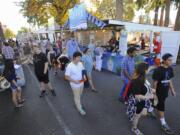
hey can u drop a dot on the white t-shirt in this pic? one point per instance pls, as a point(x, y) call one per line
point(75, 72)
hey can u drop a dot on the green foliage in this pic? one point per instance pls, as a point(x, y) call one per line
point(40, 11)
point(149, 5)
point(129, 10)
point(107, 9)
point(23, 30)
point(9, 34)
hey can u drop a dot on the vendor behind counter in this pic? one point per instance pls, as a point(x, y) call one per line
point(112, 46)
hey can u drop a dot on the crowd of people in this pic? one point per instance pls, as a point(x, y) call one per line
point(139, 95)
point(10, 58)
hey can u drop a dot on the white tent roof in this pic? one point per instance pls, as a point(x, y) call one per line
point(130, 26)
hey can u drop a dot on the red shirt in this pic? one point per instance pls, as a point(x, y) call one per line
point(157, 46)
point(59, 44)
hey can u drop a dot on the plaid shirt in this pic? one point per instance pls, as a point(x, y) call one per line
point(128, 64)
point(8, 52)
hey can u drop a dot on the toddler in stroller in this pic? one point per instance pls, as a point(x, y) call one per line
point(63, 60)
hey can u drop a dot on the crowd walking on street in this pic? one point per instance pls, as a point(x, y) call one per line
point(137, 93)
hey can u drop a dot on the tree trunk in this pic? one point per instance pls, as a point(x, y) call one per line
point(119, 9)
point(1, 33)
point(162, 17)
point(168, 4)
point(177, 23)
point(156, 15)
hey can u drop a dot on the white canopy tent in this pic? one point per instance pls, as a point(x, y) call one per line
point(130, 26)
point(170, 39)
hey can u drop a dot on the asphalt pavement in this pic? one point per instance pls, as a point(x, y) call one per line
point(58, 116)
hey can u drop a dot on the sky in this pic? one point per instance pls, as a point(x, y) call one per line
point(10, 15)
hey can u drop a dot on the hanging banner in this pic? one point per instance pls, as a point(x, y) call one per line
point(78, 17)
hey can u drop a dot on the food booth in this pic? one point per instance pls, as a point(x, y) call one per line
point(142, 36)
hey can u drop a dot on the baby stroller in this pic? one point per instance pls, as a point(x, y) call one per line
point(63, 61)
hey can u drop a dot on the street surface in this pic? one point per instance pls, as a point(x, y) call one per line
point(58, 116)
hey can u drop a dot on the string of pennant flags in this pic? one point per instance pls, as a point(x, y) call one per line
point(96, 21)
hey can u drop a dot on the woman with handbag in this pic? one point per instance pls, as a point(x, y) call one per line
point(10, 75)
point(88, 64)
point(140, 96)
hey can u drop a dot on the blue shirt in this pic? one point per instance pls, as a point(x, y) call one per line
point(78, 17)
point(88, 63)
point(128, 64)
point(72, 47)
point(92, 48)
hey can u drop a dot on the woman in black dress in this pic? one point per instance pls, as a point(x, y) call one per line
point(140, 96)
point(41, 71)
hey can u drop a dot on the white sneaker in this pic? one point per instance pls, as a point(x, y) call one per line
point(82, 112)
point(136, 131)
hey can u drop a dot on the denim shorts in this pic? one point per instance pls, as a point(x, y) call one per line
point(13, 87)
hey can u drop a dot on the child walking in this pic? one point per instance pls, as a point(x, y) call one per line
point(41, 71)
point(162, 77)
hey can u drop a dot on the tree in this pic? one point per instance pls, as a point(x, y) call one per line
point(167, 13)
point(9, 34)
point(1, 33)
point(162, 16)
point(150, 5)
point(40, 11)
point(129, 10)
point(106, 9)
point(23, 30)
point(177, 22)
point(119, 9)
point(156, 12)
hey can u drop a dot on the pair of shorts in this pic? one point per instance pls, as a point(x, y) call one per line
point(161, 103)
point(43, 78)
point(13, 87)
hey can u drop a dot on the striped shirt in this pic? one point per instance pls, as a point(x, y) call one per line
point(128, 64)
point(8, 52)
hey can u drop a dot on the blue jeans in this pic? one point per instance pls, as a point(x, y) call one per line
point(125, 83)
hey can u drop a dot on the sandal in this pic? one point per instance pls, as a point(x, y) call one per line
point(94, 90)
point(22, 101)
point(19, 106)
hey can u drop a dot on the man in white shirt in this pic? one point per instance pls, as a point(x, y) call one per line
point(74, 75)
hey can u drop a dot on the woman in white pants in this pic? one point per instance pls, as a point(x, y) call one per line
point(98, 54)
point(74, 75)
